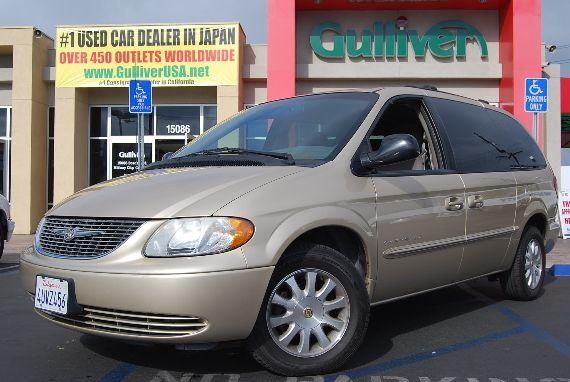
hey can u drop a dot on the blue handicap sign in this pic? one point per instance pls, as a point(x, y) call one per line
point(536, 95)
point(140, 96)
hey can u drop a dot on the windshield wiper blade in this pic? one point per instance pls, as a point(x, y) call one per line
point(234, 150)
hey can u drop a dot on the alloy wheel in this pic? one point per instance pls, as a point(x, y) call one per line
point(533, 264)
point(308, 312)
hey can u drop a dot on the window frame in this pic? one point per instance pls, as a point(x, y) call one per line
point(7, 139)
point(110, 139)
point(439, 147)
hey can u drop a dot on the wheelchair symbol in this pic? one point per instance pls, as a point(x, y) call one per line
point(139, 91)
point(534, 89)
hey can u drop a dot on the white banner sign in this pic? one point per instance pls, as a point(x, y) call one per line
point(564, 208)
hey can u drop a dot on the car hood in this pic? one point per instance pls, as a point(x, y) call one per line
point(167, 193)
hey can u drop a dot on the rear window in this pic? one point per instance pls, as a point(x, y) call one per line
point(484, 140)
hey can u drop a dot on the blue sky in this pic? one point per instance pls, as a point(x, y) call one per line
point(46, 14)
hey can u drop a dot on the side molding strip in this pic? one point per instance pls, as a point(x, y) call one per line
point(420, 248)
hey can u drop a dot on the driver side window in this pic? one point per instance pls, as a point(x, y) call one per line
point(406, 117)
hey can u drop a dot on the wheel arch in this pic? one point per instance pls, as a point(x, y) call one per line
point(337, 227)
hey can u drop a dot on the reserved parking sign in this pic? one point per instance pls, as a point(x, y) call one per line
point(140, 96)
point(536, 95)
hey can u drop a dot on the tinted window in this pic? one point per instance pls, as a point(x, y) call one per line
point(485, 141)
point(98, 161)
point(177, 120)
point(98, 121)
point(519, 141)
point(124, 123)
point(3, 121)
point(210, 116)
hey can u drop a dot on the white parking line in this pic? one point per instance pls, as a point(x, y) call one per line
point(9, 270)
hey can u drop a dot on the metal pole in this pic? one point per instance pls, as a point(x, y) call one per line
point(535, 125)
point(140, 140)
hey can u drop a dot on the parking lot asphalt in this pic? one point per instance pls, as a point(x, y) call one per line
point(464, 333)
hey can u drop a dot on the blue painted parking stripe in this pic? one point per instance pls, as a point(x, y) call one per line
point(542, 334)
point(419, 357)
point(118, 373)
point(560, 270)
point(528, 326)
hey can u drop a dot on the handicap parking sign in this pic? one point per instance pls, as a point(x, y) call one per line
point(536, 95)
point(140, 96)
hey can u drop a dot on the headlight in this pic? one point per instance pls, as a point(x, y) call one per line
point(38, 232)
point(198, 236)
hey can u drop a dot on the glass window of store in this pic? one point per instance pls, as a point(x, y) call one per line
point(113, 130)
point(5, 138)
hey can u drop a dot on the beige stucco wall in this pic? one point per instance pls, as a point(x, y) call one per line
point(552, 121)
point(70, 141)
point(6, 94)
point(29, 121)
point(487, 90)
point(254, 92)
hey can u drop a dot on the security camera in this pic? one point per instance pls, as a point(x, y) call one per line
point(38, 33)
point(551, 48)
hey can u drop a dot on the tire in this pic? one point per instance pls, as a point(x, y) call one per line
point(514, 282)
point(317, 357)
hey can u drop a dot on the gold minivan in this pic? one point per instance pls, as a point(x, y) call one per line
point(283, 224)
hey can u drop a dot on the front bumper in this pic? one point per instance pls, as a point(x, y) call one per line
point(11, 226)
point(228, 302)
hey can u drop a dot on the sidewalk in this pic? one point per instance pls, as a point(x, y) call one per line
point(559, 255)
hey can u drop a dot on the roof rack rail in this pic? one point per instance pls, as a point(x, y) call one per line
point(484, 101)
point(424, 87)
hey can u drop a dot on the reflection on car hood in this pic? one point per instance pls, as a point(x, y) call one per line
point(167, 193)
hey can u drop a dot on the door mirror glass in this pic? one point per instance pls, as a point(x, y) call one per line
point(394, 148)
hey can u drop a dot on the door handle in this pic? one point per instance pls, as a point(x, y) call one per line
point(454, 203)
point(475, 201)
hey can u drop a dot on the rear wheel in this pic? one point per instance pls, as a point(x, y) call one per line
point(524, 280)
point(314, 315)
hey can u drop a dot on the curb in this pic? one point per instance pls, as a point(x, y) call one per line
point(560, 270)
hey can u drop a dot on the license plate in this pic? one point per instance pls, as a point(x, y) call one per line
point(51, 294)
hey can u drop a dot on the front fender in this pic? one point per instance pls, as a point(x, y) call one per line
point(305, 220)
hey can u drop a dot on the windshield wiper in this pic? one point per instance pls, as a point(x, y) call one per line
point(234, 150)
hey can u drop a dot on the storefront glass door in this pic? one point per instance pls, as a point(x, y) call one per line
point(112, 140)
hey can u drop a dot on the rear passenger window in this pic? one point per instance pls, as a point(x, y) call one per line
point(528, 153)
point(484, 140)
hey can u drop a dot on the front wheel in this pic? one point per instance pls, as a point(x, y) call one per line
point(314, 316)
point(525, 278)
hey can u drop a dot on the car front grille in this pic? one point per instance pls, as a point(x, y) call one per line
point(84, 238)
point(130, 323)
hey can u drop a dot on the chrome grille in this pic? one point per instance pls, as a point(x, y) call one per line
point(130, 323)
point(110, 233)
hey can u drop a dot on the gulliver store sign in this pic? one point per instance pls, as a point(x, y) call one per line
point(168, 55)
point(445, 39)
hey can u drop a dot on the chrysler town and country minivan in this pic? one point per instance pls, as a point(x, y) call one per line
point(283, 224)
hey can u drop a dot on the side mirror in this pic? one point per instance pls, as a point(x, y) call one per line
point(394, 149)
point(167, 155)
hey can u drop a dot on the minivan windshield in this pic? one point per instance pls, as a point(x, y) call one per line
point(308, 130)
